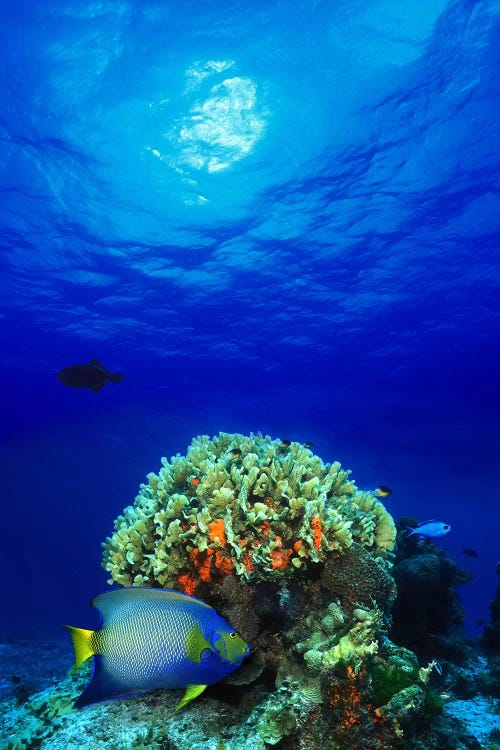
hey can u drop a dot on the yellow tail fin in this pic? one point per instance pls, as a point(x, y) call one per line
point(82, 644)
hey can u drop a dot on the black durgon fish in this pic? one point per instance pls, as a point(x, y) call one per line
point(93, 375)
point(470, 552)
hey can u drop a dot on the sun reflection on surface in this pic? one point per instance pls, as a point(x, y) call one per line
point(222, 125)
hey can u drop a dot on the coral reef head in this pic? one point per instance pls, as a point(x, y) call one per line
point(249, 506)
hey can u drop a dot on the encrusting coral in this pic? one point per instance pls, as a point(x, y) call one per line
point(252, 506)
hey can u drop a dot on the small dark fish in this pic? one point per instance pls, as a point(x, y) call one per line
point(308, 445)
point(16, 680)
point(285, 443)
point(445, 697)
point(234, 453)
point(93, 375)
point(383, 491)
point(480, 623)
point(437, 666)
point(470, 552)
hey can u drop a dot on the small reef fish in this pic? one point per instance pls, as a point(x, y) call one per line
point(155, 638)
point(285, 443)
point(308, 445)
point(437, 667)
point(470, 552)
point(92, 375)
point(195, 481)
point(234, 453)
point(382, 491)
point(430, 529)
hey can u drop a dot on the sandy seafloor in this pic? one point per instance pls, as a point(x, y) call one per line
point(31, 670)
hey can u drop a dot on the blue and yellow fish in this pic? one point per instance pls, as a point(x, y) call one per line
point(154, 638)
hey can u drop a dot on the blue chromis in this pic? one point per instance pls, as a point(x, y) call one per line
point(154, 638)
point(430, 529)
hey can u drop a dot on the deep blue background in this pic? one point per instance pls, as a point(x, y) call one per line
point(280, 216)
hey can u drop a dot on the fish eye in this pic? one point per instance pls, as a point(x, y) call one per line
point(233, 634)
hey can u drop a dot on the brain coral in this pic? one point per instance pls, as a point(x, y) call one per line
point(257, 508)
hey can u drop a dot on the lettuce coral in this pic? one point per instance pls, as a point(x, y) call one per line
point(243, 505)
point(336, 639)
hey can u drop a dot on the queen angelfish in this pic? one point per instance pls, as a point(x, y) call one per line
point(153, 638)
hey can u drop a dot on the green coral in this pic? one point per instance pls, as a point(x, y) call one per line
point(406, 706)
point(279, 507)
point(399, 686)
point(276, 723)
point(433, 705)
point(393, 675)
point(336, 640)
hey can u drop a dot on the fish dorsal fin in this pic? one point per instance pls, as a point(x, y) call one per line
point(96, 363)
point(424, 523)
point(192, 692)
point(110, 601)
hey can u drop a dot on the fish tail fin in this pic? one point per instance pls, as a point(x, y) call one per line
point(116, 377)
point(82, 643)
point(411, 531)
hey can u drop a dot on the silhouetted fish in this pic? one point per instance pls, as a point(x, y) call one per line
point(470, 552)
point(93, 375)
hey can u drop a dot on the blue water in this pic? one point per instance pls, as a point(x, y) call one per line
point(278, 216)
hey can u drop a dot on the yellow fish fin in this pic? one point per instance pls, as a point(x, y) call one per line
point(82, 644)
point(197, 647)
point(192, 692)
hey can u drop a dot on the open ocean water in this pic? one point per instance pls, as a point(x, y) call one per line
point(278, 217)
